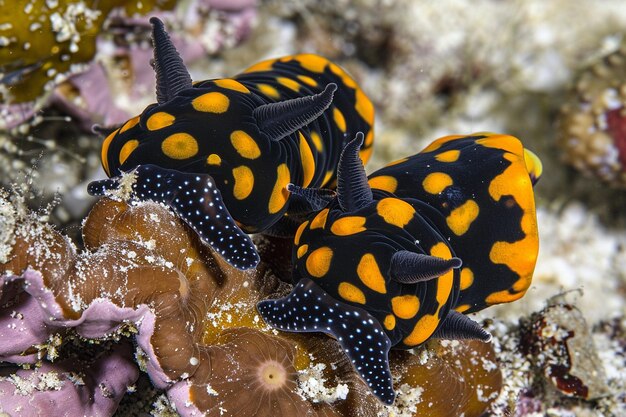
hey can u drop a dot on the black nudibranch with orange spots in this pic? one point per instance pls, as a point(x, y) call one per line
point(402, 256)
point(221, 152)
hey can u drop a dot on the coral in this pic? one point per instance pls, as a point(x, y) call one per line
point(593, 122)
point(448, 378)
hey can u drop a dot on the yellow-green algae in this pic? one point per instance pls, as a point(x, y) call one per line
point(40, 40)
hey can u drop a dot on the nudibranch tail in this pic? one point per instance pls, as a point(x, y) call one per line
point(195, 199)
point(283, 118)
point(308, 308)
point(458, 326)
point(171, 74)
point(353, 191)
point(410, 268)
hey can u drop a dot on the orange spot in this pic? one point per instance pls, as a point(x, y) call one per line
point(389, 322)
point(289, 83)
point(279, 194)
point(261, 66)
point(351, 293)
point(244, 182)
point(307, 80)
point(369, 273)
point(445, 281)
point(318, 262)
point(460, 219)
point(440, 142)
point(327, 177)
point(307, 160)
point(313, 63)
point(130, 124)
point(405, 306)
point(424, 328)
point(127, 149)
point(340, 121)
point(346, 226)
point(319, 221)
point(213, 102)
point(268, 91)
point(214, 159)
point(231, 84)
point(364, 106)
point(317, 141)
point(384, 182)
point(395, 211)
point(302, 250)
point(159, 120)
point(448, 156)
point(345, 78)
point(462, 308)
point(301, 228)
point(244, 144)
point(467, 278)
point(180, 146)
point(105, 151)
point(436, 182)
point(369, 138)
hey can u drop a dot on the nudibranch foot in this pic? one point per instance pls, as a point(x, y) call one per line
point(194, 198)
point(308, 308)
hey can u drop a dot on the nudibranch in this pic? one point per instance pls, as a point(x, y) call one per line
point(399, 258)
point(221, 152)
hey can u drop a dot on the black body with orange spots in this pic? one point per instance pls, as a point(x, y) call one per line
point(281, 121)
point(410, 248)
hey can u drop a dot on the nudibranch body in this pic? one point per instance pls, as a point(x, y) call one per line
point(221, 152)
point(396, 259)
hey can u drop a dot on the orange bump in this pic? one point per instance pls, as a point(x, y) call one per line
point(384, 182)
point(467, 278)
point(244, 144)
point(302, 250)
point(311, 62)
point(213, 102)
point(369, 273)
point(318, 261)
point(127, 149)
point(279, 195)
point(436, 182)
point(289, 83)
point(423, 329)
point(159, 120)
point(180, 146)
point(214, 159)
point(317, 141)
point(351, 293)
point(307, 160)
point(130, 124)
point(231, 84)
point(405, 306)
point(395, 211)
point(349, 225)
point(307, 80)
point(340, 121)
point(460, 219)
point(244, 182)
point(390, 322)
point(448, 156)
point(296, 239)
point(268, 91)
point(320, 220)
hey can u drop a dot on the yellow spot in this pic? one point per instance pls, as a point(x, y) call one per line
point(369, 273)
point(302, 250)
point(395, 211)
point(436, 182)
point(244, 144)
point(214, 159)
point(244, 182)
point(231, 84)
point(448, 156)
point(130, 124)
point(318, 262)
point(384, 182)
point(364, 106)
point(261, 66)
point(301, 228)
point(389, 322)
point(180, 146)
point(340, 121)
point(320, 220)
point(467, 278)
point(159, 120)
point(289, 83)
point(396, 162)
point(317, 141)
point(127, 149)
point(307, 80)
point(423, 329)
point(308, 162)
point(462, 308)
point(440, 142)
point(313, 63)
point(351, 293)
point(405, 306)
point(105, 150)
point(268, 91)
point(213, 102)
point(460, 219)
point(279, 193)
point(348, 225)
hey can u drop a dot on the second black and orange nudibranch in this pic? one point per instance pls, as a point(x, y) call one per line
point(221, 152)
point(402, 256)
